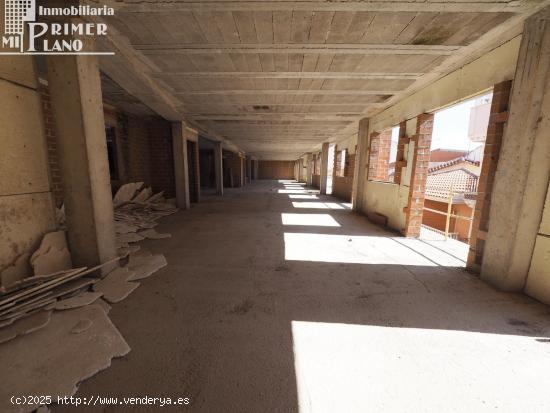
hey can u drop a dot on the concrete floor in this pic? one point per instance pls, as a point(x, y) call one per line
point(255, 316)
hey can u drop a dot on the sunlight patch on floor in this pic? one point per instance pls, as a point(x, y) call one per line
point(363, 368)
point(298, 191)
point(316, 220)
point(303, 196)
point(358, 249)
point(317, 205)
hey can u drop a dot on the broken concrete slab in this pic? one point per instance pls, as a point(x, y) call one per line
point(144, 266)
point(53, 254)
point(125, 228)
point(51, 360)
point(115, 286)
point(128, 238)
point(80, 300)
point(20, 269)
point(57, 240)
point(156, 198)
point(25, 326)
point(143, 196)
point(104, 305)
point(126, 192)
point(53, 261)
point(82, 326)
point(152, 234)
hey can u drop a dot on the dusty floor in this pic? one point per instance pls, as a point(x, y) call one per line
point(240, 320)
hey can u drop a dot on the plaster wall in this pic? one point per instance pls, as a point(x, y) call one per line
point(26, 203)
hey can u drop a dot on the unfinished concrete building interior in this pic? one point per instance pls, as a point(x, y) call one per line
point(242, 206)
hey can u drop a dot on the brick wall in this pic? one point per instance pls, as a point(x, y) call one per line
point(194, 171)
point(133, 140)
point(379, 155)
point(421, 162)
point(275, 170)
point(233, 164)
point(495, 131)
point(51, 140)
point(162, 157)
point(144, 143)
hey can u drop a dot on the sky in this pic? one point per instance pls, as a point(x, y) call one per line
point(451, 127)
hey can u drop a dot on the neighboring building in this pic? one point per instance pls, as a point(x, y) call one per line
point(479, 119)
point(461, 175)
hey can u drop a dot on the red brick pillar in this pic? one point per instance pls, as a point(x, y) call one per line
point(51, 139)
point(379, 155)
point(495, 131)
point(421, 162)
point(400, 158)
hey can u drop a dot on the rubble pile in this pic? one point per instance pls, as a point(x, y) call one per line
point(66, 308)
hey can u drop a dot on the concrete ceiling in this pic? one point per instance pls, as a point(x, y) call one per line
point(277, 78)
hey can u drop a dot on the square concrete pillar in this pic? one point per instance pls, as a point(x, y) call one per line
point(361, 163)
point(523, 171)
point(309, 169)
point(324, 168)
point(77, 105)
point(218, 167)
point(256, 169)
point(181, 166)
point(249, 168)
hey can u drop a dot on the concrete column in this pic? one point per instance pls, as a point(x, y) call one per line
point(309, 169)
point(218, 167)
point(249, 168)
point(256, 168)
point(521, 179)
point(361, 163)
point(77, 104)
point(181, 166)
point(324, 168)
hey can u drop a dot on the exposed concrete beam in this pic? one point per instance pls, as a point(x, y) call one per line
point(303, 117)
point(290, 75)
point(132, 74)
point(328, 5)
point(295, 48)
point(286, 92)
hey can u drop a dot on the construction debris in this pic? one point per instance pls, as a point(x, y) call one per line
point(53, 254)
point(56, 303)
point(36, 293)
point(115, 286)
point(20, 269)
point(143, 266)
point(56, 359)
point(137, 211)
point(25, 326)
point(152, 234)
point(80, 300)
